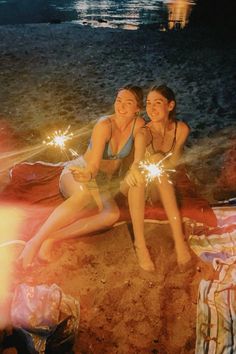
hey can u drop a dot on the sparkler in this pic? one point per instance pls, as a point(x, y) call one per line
point(59, 138)
point(74, 153)
point(156, 170)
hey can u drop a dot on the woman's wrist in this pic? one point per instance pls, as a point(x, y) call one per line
point(91, 176)
point(134, 166)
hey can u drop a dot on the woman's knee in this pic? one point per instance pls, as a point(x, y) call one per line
point(111, 215)
point(77, 201)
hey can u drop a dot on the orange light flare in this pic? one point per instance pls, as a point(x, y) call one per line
point(11, 221)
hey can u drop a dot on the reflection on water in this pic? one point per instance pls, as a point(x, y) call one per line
point(129, 14)
point(178, 13)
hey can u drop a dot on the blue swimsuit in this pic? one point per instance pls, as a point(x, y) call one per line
point(125, 150)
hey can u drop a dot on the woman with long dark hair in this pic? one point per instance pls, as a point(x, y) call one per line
point(165, 139)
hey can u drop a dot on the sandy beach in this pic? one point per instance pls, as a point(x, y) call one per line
point(53, 76)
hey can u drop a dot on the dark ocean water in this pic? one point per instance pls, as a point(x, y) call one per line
point(129, 14)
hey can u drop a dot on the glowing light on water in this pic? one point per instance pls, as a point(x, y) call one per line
point(178, 13)
point(155, 170)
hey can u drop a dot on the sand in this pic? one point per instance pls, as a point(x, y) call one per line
point(55, 75)
point(123, 308)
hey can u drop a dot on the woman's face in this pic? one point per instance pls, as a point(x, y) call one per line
point(126, 105)
point(158, 107)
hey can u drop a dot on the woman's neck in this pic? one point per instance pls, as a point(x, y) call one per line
point(122, 124)
point(161, 127)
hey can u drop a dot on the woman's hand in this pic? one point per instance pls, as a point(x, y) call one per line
point(81, 174)
point(134, 178)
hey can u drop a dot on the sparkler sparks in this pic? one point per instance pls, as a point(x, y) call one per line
point(74, 153)
point(155, 170)
point(59, 138)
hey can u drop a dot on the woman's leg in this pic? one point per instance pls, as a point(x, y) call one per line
point(63, 215)
point(136, 198)
point(104, 219)
point(168, 198)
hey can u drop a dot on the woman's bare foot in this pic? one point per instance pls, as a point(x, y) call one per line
point(144, 258)
point(28, 254)
point(184, 258)
point(45, 252)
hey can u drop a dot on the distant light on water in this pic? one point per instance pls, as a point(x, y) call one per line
point(178, 13)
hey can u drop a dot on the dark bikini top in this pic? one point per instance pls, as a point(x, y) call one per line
point(164, 153)
point(125, 150)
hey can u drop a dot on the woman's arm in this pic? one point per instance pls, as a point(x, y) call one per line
point(100, 135)
point(134, 177)
point(139, 146)
point(182, 134)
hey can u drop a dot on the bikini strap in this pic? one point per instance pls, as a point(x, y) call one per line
point(150, 134)
point(132, 131)
point(151, 143)
point(111, 130)
point(176, 123)
point(174, 140)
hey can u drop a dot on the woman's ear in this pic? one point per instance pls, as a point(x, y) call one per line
point(171, 106)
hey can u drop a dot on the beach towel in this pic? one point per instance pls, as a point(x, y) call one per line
point(216, 242)
point(216, 311)
point(34, 187)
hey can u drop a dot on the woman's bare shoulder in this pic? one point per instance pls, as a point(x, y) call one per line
point(140, 122)
point(139, 127)
point(183, 126)
point(103, 125)
point(183, 130)
point(104, 121)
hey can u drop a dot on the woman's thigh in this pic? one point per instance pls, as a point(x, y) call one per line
point(110, 209)
point(69, 186)
point(152, 192)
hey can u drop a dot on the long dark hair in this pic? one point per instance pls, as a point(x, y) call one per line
point(136, 91)
point(168, 93)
